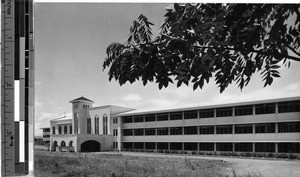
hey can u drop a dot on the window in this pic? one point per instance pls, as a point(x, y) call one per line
point(190, 130)
point(115, 132)
point(163, 145)
point(265, 128)
point(105, 124)
point(162, 131)
point(176, 131)
point(149, 145)
point(291, 106)
point(70, 129)
point(243, 147)
point(206, 130)
point(206, 146)
point(138, 118)
point(206, 113)
point(289, 147)
point(46, 130)
point(59, 130)
point(46, 136)
point(65, 130)
point(243, 129)
point(150, 131)
point(224, 112)
point(243, 110)
point(85, 106)
point(88, 124)
point(138, 145)
point(190, 146)
point(53, 130)
point(224, 129)
point(127, 132)
point(175, 115)
point(138, 132)
point(115, 120)
point(175, 146)
point(75, 106)
point(286, 127)
point(265, 108)
point(150, 118)
point(162, 117)
point(76, 123)
point(127, 145)
point(96, 124)
point(224, 146)
point(264, 147)
point(191, 115)
point(127, 119)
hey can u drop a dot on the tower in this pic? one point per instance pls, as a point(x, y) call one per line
point(80, 114)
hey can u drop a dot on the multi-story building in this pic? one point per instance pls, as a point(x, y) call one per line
point(46, 134)
point(257, 126)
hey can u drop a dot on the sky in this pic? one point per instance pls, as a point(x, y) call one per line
point(70, 47)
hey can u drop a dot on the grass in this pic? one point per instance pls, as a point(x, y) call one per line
point(94, 165)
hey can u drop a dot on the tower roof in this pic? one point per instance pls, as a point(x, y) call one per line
point(81, 99)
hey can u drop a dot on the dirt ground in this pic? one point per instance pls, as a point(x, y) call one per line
point(242, 166)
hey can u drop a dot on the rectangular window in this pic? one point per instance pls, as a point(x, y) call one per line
point(59, 130)
point(138, 118)
point(243, 129)
point(127, 119)
point(224, 146)
point(149, 145)
point(190, 146)
point(75, 123)
point(265, 108)
point(243, 147)
point(89, 128)
point(127, 132)
point(224, 112)
point(53, 130)
point(206, 146)
point(206, 130)
point(290, 106)
point(65, 130)
point(96, 124)
point(289, 147)
point(115, 132)
point(75, 106)
point(162, 146)
point(224, 129)
point(243, 110)
point(176, 116)
point(162, 117)
point(175, 146)
point(206, 113)
point(70, 129)
point(105, 132)
point(150, 118)
point(264, 147)
point(191, 115)
point(286, 127)
point(162, 131)
point(265, 128)
point(138, 145)
point(150, 131)
point(190, 130)
point(176, 131)
point(127, 145)
point(138, 132)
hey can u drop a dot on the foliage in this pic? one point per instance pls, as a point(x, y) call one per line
point(197, 42)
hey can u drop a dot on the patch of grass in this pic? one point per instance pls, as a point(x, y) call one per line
point(93, 165)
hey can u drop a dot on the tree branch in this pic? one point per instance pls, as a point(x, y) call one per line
point(293, 50)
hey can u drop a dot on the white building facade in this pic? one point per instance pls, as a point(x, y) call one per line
point(267, 126)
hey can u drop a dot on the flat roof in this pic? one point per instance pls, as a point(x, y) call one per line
point(139, 112)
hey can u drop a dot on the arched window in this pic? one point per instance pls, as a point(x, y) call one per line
point(105, 124)
point(96, 124)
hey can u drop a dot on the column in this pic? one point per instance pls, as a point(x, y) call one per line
point(276, 147)
point(233, 127)
point(276, 127)
point(233, 147)
point(253, 147)
point(215, 147)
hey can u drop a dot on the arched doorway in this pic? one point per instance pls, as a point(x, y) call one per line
point(90, 146)
point(54, 145)
point(71, 147)
point(63, 146)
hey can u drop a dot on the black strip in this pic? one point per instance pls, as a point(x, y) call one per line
point(26, 142)
point(26, 6)
point(17, 42)
point(22, 17)
point(26, 59)
point(26, 77)
point(26, 105)
point(26, 167)
point(17, 145)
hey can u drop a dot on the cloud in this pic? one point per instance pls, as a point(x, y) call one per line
point(132, 97)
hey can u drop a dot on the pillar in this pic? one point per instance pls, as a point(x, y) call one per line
point(215, 147)
point(276, 147)
point(233, 147)
point(253, 147)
